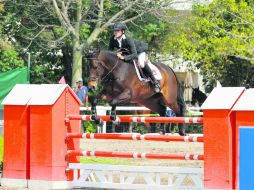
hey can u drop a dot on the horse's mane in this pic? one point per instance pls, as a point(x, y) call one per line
point(110, 55)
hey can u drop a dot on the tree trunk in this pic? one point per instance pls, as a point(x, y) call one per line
point(77, 61)
point(77, 50)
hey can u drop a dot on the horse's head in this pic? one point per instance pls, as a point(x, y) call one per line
point(101, 65)
point(96, 69)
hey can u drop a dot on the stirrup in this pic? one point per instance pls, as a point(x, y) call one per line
point(156, 87)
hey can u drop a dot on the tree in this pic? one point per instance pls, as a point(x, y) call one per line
point(9, 57)
point(55, 24)
point(220, 38)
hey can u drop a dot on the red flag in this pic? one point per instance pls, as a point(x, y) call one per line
point(62, 80)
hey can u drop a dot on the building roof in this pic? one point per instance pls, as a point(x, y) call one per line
point(36, 94)
point(246, 102)
point(222, 98)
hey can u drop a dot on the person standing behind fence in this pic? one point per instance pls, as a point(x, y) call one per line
point(82, 92)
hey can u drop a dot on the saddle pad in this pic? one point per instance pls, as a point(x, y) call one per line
point(156, 72)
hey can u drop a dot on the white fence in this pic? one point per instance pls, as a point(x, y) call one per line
point(136, 177)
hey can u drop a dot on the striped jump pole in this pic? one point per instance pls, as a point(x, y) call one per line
point(136, 137)
point(140, 119)
point(136, 155)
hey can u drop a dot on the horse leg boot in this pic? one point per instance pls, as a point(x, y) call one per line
point(94, 116)
point(113, 113)
point(155, 83)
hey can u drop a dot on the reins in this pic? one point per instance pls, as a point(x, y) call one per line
point(110, 71)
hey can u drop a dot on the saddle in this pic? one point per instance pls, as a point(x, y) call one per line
point(141, 75)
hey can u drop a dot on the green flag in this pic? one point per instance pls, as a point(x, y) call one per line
point(9, 79)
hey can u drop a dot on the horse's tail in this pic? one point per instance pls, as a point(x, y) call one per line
point(180, 96)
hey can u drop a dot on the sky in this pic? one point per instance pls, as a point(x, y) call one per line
point(187, 4)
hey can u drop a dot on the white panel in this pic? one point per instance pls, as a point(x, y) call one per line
point(47, 94)
point(35, 94)
point(20, 94)
point(222, 98)
point(246, 102)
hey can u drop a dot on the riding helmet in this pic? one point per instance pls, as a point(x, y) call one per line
point(119, 26)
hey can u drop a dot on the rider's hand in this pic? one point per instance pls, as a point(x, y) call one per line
point(119, 55)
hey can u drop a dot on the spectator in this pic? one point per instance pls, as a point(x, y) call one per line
point(82, 92)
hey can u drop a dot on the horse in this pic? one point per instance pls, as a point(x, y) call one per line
point(198, 96)
point(122, 85)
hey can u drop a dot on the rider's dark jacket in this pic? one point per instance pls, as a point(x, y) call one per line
point(130, 47)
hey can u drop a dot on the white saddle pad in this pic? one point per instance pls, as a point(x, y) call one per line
point(156, 72)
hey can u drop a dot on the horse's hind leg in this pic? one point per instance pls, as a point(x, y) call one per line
point(179, 113)
point(162, 113)
point(181, 126)
point(156, 104)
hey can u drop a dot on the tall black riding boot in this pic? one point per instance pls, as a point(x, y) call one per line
point(155, 83)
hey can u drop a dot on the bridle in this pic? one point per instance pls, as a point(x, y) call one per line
point(113, 68)
point(103, 65)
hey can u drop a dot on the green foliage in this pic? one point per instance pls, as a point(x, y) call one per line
point(218, 37)
point(85, 30)
point(1, 148)
point(89, 127)
point(9, 59)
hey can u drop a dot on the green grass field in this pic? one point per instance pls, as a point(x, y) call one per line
point(1, 148)
point(103, 161)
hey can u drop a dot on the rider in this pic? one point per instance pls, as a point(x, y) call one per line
point(131, 49)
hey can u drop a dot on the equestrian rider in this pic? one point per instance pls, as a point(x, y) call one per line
point(131, 49)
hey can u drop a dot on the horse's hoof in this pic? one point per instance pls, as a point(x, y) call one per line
point(162, 132)
point(182, 133)
point(113, 117)
point(116, 121)
point(99, 121)
point(94, 118)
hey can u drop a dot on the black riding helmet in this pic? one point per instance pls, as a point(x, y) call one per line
point(119, 26)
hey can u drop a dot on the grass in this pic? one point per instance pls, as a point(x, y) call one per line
point(1, 148)
point(103, 161)
point(82, 160)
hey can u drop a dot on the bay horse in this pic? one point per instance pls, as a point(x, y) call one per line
point(121, 85)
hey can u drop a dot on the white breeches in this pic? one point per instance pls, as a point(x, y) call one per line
point(142, 59)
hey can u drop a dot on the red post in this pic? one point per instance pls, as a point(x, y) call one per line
point(47, 142)
point(244, 112)
point(16, 165)
point(219, 124)
point(16, 160)
point(35, 133)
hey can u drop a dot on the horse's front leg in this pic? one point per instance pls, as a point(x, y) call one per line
point(94, 116)
point(113, 113)
point(124, 97)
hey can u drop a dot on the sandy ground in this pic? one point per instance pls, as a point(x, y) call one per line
point(146, 147)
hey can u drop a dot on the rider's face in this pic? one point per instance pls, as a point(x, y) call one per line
point(118, 33)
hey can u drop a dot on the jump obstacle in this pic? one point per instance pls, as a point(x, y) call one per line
point(43, 119)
